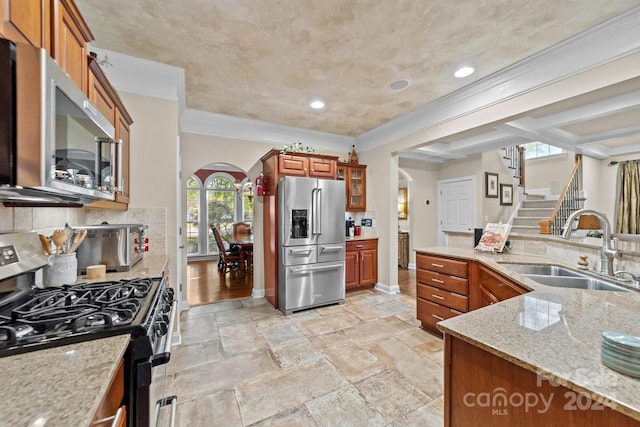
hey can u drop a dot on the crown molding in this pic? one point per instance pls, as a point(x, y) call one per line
point(143, 77)
point(205, 123)
point(596, 46)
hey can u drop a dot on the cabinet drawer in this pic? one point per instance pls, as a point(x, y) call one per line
point(439, 296)
point(500, 287)
point(443, 265)
point(443, 281)
point(430, 314)
point(359, 245)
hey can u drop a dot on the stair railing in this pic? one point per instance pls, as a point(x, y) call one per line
point(514, 157)
point(568, 202)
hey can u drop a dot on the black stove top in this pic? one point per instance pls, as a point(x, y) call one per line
point(50, 317)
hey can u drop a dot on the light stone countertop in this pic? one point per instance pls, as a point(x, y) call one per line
point(554, 332)
point(355, 238)
point(150, 266)
point(60, 386)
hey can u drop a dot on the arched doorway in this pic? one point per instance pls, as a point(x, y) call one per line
point(216, 195)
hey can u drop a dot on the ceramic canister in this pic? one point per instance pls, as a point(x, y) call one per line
point(62, 270)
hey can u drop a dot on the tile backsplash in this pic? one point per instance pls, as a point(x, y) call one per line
point(46, 220)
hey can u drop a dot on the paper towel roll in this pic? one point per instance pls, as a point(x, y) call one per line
point(96, 271)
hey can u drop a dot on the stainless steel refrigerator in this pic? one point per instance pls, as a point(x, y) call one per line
point(311, 239)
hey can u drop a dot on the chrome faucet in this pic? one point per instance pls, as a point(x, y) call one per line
point(609, 249)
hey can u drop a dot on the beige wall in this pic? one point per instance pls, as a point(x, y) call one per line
point(154, 169)
point(549, 173)
point(422, 222)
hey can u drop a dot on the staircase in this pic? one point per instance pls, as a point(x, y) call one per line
point(533, 209)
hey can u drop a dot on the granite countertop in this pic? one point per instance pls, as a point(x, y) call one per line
point(60, 386)
point(150, 266)
point(554, 332)
point(354, 238)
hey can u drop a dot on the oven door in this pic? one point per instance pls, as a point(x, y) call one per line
point(162, 403)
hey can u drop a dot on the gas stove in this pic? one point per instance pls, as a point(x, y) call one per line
point(56, 316)
point(34, 318)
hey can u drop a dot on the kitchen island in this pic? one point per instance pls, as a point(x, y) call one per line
point(543, 346)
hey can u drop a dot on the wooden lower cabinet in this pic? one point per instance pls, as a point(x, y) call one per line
point(442, 289)
point(111, 405)
point(484, 390)
point(493, 287)
point(459, 286)
point(361, 263)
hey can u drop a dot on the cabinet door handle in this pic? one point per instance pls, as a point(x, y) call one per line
point(437, 296)
point(438, 317)
point(437, 280)
point(359, 246)
point(437, 265)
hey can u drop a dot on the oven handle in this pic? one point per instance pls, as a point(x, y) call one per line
point(164, 402)
point(162, 358)
point(115, 419)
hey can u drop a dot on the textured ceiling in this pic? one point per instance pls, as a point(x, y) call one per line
point(267, 60)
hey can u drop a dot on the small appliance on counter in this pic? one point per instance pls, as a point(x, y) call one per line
point(117, 246)
point(350, 227)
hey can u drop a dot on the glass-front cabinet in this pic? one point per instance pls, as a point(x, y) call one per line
point(355, 178)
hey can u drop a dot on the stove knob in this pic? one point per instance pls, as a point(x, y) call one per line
point(161, 329)
point(166, 308)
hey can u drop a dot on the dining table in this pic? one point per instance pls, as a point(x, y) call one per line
point(245, 242)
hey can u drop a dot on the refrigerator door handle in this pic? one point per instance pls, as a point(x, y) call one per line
point(314, 215)
point(319, 209)
point(300, 251)
point(331, 248)
point(320, 268)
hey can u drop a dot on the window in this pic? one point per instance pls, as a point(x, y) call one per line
point(193, 214)
point(221, 206)
point(215, 202)
point(537, 150)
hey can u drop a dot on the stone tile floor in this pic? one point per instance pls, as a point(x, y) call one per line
point(362, 363)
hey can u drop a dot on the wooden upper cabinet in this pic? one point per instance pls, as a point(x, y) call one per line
point(26, 21)
point(123, 121)
point(322, 168)
point(355, 178)
point(311, 165)
point(71, 35)
point(103, 95)
point(292, 165)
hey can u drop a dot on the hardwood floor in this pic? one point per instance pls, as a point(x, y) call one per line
point(206, 285)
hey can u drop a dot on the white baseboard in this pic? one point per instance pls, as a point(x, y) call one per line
point(257, 293)
point(411, 266)
point(393, 289)
point(176, 338)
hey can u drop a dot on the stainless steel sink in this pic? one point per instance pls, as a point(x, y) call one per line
point(583, 282)
point(546, 270)
point(561, 277)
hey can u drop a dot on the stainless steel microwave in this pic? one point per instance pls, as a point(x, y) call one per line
point(61, 148)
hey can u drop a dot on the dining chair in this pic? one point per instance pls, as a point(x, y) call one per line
point(241, 230)
point(227, 259)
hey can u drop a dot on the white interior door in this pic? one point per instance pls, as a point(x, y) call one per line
point(457, 205)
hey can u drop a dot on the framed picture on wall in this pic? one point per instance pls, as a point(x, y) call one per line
point(491, 185)
point(506, 194)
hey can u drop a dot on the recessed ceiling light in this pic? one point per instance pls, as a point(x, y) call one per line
point(463, 72)
point(399, 84)
point(317, 104)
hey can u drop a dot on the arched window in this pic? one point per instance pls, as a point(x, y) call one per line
point(221, 204)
